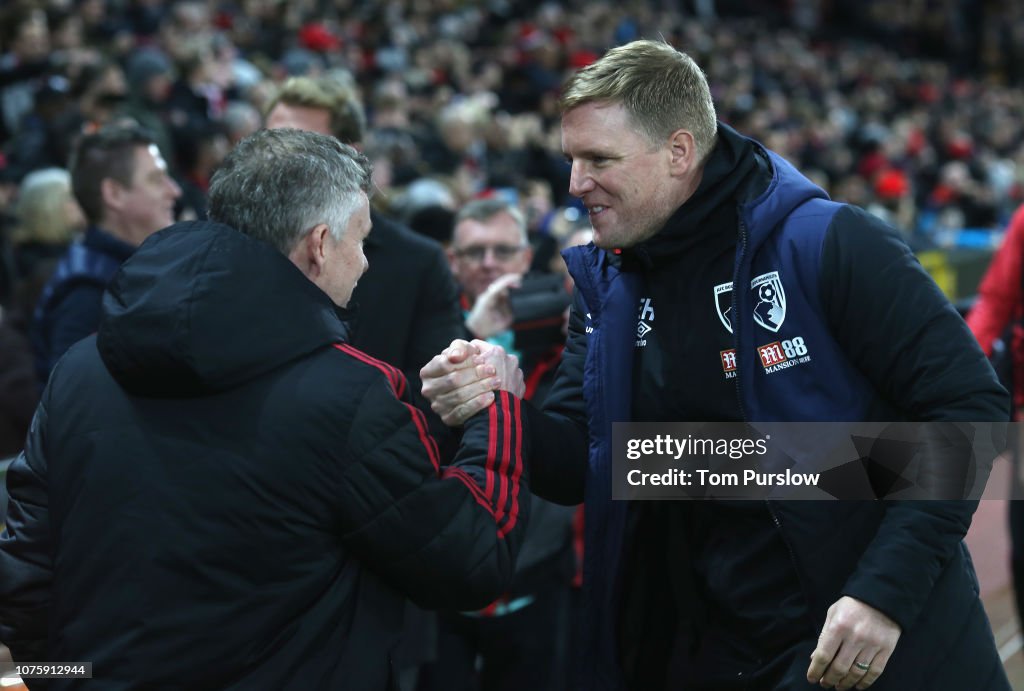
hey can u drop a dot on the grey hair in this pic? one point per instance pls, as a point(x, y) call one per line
point(239, 117)
point(276, 185)
point(40, 207)
point(483, 210)
point(662, 89)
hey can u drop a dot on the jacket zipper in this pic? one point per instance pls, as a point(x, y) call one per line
point(738, 321)
point(736, 310)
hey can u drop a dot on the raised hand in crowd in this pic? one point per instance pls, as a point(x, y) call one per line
point(492, 313)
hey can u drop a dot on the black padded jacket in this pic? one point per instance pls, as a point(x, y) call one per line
point(219, 492)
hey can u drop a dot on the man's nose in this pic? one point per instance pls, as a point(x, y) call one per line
point(580, 180)
point(490, 258)
point(173, 187)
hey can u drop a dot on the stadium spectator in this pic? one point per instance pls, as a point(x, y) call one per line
point(48, 219)
point(121, 183)
point(997, 321)
point(519, 641)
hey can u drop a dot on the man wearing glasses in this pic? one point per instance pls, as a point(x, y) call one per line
point(489, 255)
point(521, 637)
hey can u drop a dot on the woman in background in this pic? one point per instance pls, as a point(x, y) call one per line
point(47, 219)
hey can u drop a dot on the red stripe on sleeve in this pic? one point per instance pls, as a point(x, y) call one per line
point(550, 361)
point(402, 383)
point(474, 489)
point(393, 374)
point(492, 447)
point(506, 453)
point(428, 441)
point(397, 381)
point(513, 515)
point(508, 490)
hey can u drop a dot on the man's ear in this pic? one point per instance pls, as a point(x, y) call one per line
point(450, 253)
point(111, 192)
point(682, 152)
point(310, 253)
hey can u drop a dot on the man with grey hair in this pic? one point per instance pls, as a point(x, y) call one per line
point(241, 119)
point(489, 255)
point(724, 286)
point(402, 322)
point(218, 491)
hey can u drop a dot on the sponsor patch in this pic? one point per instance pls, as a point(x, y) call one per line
point(728, 358)
point(780, 355)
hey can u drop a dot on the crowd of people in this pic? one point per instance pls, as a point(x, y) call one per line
point(223, 120)
point(460, 97)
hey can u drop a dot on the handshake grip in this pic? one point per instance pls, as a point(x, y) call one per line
point(461, 380)
point(506, 367)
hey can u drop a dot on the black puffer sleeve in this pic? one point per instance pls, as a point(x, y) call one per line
point(902, 333)
point(446, 536)
point(26, 564)
point(558, 459)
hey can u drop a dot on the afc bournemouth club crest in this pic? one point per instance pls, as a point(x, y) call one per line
point(723, 304)
point(769, 307)
point(769, 301)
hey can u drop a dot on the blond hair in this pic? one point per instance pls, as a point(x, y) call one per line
point(41, 209)
point(662, 89)
point(347, 118)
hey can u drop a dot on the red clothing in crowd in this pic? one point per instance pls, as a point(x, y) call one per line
point(1001, 300)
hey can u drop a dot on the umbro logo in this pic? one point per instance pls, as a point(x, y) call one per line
point(643, 327)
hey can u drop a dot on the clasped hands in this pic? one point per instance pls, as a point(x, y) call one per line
point(462, 379)
point(857, 639)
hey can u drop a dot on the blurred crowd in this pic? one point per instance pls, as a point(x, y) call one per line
point(910, 110)
point(907, 110)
